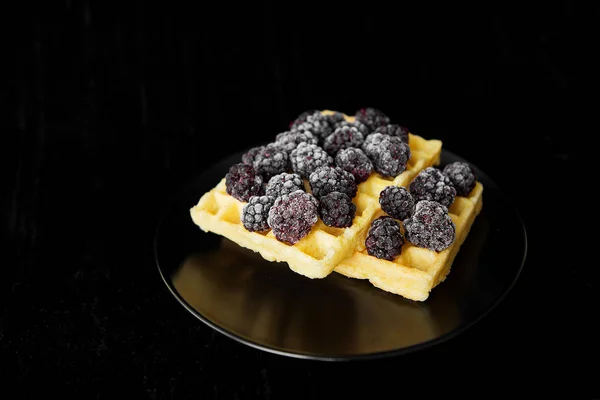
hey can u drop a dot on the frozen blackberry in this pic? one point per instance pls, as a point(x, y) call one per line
point(384, 239)
point(355, 161)
point(394, 130)
point(397, 202)
point(317, 124)
point(283, 184)
point(362, 128)
point(292, 216)
point(302, 118)
point(462, 176)
point(271, 160)
point(248, 157)
point(306, 158)
point(337, 209)
point(242, 182)
point(389, 154)
point(372, 117)
point(341, 138)
point(325, 180)
point(334, 118)
point(289, 140)
point(256, 212)
point(432, 184)
point(430, 226)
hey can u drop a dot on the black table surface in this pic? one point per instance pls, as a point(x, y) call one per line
point(111, 111)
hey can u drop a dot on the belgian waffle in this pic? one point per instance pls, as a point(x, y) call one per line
point(416, 271)
point(318, 253)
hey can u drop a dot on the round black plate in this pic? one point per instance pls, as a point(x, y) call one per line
point(267, 306)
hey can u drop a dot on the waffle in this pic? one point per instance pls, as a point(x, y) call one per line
point(416, 271)
point(318, 253)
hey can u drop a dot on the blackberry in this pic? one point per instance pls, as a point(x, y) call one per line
point(317, 124)
point(283, 184)
point(384, 239)
point(430, 226)
point(242, 182)
point(302, 118)
point(306, 158)
point(256, 212)
point(355, 161)
point(362, 128)
point(462, 176)
point(372, 117)
point(248, 157)
point(292, 216)
point(389, 154)
point(397, 202)
point(271, 160)
point(342, 138)
point(325, 180)
point(334, 118)
point(337, 209)
point(432, 184)
point(288, 140)
point(394, 130)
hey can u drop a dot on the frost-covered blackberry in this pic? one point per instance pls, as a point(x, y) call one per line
point(317, 124)
point(306, 158)
point(256, 212)
point(302, 117)
point(242, 182)
point(389, 154)
point(284, 183)
point(271, 160)
point(341, 138)
point(337, 209)
point(430, 226)
point(384, 239)
point(289, 140)
point(248, 157)
point(397, 202)
point(362, 128)
point(334, 118)
point(432, 184)
point(462, 176)
point(325, 180)
point(292, 216)
point(355, 161)
point(372, 117)
point(394, 130)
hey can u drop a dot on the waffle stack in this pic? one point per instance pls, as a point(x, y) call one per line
point(318, 253)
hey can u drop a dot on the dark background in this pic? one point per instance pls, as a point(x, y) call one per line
point(109, 109)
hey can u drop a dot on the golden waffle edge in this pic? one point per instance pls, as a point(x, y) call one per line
point(324, 248)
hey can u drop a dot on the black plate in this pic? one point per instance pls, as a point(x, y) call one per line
point(267, 306)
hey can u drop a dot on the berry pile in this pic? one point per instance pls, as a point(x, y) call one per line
point(331, 156)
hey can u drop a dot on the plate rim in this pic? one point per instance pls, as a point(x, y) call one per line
point(339, 357)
